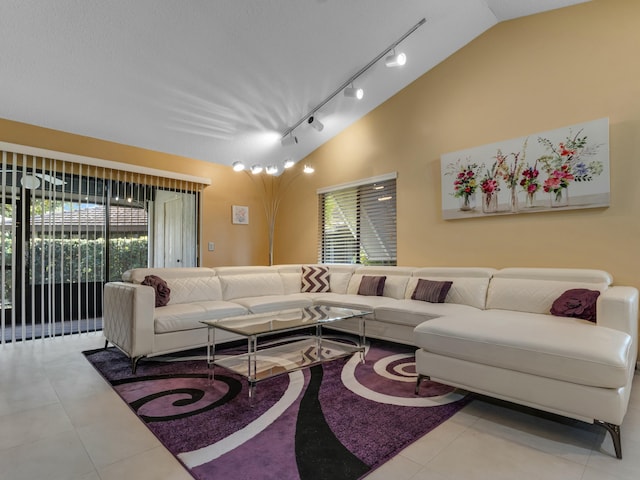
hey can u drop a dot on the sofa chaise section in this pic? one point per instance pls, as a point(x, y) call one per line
point(517, 351)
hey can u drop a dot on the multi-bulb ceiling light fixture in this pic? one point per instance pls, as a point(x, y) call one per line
point(392, 59)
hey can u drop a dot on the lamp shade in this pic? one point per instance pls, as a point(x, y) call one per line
point(353, 92)
point(315, 123)
point(289, 140)
point(395, 60)
point(238, 166)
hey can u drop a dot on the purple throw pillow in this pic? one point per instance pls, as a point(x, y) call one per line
point(161, 288)
point(372, 286)
point(577, 303)
point(431, 291)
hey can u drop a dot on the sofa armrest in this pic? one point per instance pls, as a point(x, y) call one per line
point(617, 308)
point(128, 317)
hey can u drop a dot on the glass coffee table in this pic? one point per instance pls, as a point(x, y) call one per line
point(283, 353)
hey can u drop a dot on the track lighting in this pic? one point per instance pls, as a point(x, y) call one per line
point(289, 140)
point(256, 169)
point(271, 169)
point(308, 169)
point(238, 166)
point(315, 123)
point(395, 60)
point(288, 163)
point(353, 92)
point(349, 91)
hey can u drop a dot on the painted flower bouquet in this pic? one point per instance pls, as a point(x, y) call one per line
point(490, 187)
point(465, 183)
point(564, 163)
point(511, 173)
point(529, 182)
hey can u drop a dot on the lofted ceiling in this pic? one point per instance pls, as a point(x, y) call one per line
point(221, 80)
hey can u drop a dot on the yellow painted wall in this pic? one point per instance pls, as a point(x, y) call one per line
point(521, 77)
point(234, 244)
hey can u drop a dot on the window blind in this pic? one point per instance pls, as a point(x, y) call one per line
point(357, 223)
point(65, 229)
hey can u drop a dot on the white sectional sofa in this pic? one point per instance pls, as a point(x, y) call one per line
point(493, 334)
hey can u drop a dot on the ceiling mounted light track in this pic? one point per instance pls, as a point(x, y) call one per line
point(287, 136)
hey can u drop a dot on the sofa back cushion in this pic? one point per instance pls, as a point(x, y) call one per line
point(194, 289)
point(137, 275)
point(469, 285)
point(251, 285)
point(291, 277)
point(535, 289)
point(339, 277)
point(394, 285)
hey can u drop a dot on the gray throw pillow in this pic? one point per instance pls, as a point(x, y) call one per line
point(372, 286)
point(431, 291)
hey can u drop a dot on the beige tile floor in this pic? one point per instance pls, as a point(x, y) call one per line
point(60, 420)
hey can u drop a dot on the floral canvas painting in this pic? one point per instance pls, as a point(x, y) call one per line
point(562, 169)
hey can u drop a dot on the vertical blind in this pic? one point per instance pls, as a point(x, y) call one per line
point(65, 229)
point(357, 223)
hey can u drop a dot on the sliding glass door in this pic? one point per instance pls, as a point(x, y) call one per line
point(67, 229)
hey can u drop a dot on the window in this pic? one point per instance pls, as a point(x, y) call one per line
point(67, 227)
point(358, 222)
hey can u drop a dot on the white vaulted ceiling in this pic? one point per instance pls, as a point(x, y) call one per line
point(221, 80)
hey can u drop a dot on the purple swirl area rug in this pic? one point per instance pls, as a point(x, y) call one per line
point(339, 420)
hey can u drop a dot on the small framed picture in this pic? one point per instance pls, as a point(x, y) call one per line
point(240, 215)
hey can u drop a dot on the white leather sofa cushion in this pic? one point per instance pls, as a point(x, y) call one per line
point(187, 316)
point(414, 312)
point(274, 303)
point(355, 302)
point(194, 289)
point(339, 276)
point(566, 349)
point(394, 285)
point(251, 285)
point(136, 275)
point(469, 285)
point(534, 296)
point(339, 281)
point(291, 276)
point(535, 289)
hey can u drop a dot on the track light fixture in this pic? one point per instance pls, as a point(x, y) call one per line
point(271, 169)
point(400, 59)
point(353, 92)
point(308, 169)
point(315, 123)
point(395, 60)
point(289, 139)
point(288, 163)
point(238, 166)
point(256, 169)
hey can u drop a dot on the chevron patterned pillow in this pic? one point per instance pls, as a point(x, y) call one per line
point(315, 279)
